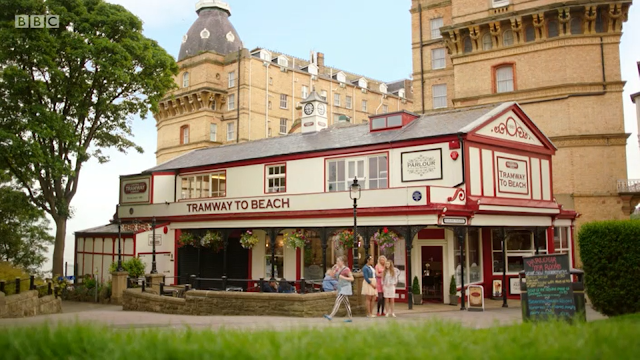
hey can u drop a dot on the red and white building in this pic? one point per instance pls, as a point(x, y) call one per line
point(484, 170)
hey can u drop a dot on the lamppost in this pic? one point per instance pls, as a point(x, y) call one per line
point(354, 194)
point(153, 242)
point(120, 269)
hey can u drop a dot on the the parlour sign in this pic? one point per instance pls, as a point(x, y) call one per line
point(224, 206)
point(135, 190)
point(422, 165)
point(513, 176)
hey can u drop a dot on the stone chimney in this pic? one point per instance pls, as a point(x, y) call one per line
point(320, 62)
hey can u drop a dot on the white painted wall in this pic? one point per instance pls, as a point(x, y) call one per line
point(163, 188)
point(144, 250)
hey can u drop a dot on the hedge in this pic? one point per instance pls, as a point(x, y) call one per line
point(610, 252)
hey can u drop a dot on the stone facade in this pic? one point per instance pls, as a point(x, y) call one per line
point(565, 65)
point(28, 304)
point(198, 302)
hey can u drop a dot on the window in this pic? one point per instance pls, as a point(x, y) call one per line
point(520, 243)
point(232, 79)
point(232, 102)
point(364, 105)
point(468, 47)
point(184, 134)
point(283, 101)
point(323, 94)
point(213, 132)
point(275, 178)
point(385, 109)
point(507, 38)
point(231, 133)
point(599, 23)
point(552, 29)
point(362, 82)
point(436, 24)
point(283, 126)
point(336, 99)
point(504, 79)
point(305, 92)
point(437, 59)
point(576, 26)
point(487, 43)
point(278, 265)
point(473, 260)
point(283, 61)
point(204, 185)
point(185, 79)
point(401, 93)
point(348, 102)
point(529, 34)
point(386, 122)
point(340, 173)
point(499, 3)
point(561, 240)
point(439, 96)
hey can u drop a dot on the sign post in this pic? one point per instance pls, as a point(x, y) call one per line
point(476, 298)
point(549, 292)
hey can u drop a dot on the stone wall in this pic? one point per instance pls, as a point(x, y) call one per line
point(28, 304)
point(198, 302)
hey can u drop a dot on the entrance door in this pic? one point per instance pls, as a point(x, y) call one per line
point(432, 273)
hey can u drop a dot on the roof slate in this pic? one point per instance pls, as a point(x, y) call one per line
point(104, 229)
point(216, 21)
point(427, 126)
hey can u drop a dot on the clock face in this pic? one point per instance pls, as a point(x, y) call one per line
point(308, 109)
point(321, 109)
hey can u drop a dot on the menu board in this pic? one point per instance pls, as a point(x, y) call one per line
point(549, 292)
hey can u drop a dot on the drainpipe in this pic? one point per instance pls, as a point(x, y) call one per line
point(175, 188)
point(266, 103)
point(462, 158)
point(293, 93)
point(330, 99)
point(421, 57)
point(353, 103)
point(250, 120)
point(381, 101)
point(604, 77)
point(238, 104)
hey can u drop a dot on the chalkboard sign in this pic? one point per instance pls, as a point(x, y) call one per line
point(549, 292)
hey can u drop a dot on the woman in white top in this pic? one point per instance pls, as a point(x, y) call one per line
point(390, 279)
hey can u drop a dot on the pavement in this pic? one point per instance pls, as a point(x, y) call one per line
point(112, 316)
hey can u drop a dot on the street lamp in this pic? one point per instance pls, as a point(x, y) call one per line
point(153, 261)
point(120, 268)
point(354, 194)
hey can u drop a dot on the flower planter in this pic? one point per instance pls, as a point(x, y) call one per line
point(453, 300)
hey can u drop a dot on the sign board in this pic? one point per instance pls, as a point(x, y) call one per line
point(514, 286)
point(422, 165)
point(497, 288)
point(454, 220)
point(158, 239)
point(135, 190)
point(549, 292)
point(513, 176)
point(476, 298)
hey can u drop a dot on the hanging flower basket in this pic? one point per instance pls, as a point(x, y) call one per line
point(187, 239)
point(213, 240)
point(296, 239)
point(248, 240)
point(386, 240)
point(345, 240)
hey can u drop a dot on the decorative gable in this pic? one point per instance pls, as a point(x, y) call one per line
point(510, 127)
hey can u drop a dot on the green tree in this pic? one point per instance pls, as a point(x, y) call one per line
point(68, 93)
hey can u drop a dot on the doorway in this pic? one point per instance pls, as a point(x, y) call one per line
point(432, 273)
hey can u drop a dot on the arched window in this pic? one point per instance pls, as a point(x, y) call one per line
point(487, 44)
point(213, 103)
point(529, 34)
point(468, 47)
point(576, 26)
point(184, 134)
point(599, 23)
point(185, 79)
point(507, 38)
point(552, 29)
point(504, 78)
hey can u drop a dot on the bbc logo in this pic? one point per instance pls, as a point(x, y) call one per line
point(37, 21)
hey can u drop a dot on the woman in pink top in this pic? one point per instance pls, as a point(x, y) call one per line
point(379, 270)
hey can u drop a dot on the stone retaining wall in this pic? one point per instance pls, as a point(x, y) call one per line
point(199, 302)
point(28, 304)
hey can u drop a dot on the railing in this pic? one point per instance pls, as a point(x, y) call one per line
point(19, 285)
point(629, 186)
point(301, 286)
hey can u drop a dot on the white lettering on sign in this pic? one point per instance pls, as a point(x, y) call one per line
point(513, 176)
point(135, 190)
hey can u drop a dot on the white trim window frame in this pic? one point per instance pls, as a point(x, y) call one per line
point(231, 102)
point(514, 256)
point(283, 126)
point(562, 240)
point(504, 79)
point(231, 133)
point(342, 171)
point(336, 99)
point(435, 24)
point(284, 101)
point(439, 93)
point(213, 132)
point(304, 92)
point(438, 59)
point(185, 79)
point(202, 186)
point(276, 178)
point(348, 102)
point(364, 105)
point(472, 274)
point(232, 79)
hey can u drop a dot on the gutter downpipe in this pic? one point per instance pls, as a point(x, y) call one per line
point(266, 103)
point(463, 161)
point(604, 77)
point(238, 105)
point(250, 67)
point(421, 57)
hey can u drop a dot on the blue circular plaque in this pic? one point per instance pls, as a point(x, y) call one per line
point(417, 196)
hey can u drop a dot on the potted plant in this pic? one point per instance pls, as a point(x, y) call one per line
point(386, 240)
point(248, 239)
point(295, 240)
point(415, 289)
point(453, 291)
point(344, 240)
point(213, 240)
point(187, 239)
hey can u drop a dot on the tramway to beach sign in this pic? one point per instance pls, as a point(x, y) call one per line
point(513, 176)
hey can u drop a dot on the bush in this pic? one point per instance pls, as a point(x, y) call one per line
point(453, 287)
point(610, 252)
point(134, 266)
point(415, 287)
point(9, 273)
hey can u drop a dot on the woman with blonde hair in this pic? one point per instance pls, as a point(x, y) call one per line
point(345, 278)
point(390, 279)
point(379, 270)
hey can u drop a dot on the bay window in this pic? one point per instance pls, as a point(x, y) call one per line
point(372, 170)
point(203, 185)
point(520, 244)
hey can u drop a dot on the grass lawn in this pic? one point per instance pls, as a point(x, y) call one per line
point(606, 339)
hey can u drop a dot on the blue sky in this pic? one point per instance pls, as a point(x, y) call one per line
point(369, 37)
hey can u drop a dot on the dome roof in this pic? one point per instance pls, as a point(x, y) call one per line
point(212, 31)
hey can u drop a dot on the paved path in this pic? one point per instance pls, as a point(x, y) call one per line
point(113, 317)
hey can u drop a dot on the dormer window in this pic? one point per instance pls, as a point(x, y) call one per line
point(394, 120)
point(362, 82)
point(311, 69)
point(383, 88)
point(262, 54)
point(283, 61)
point(401, 93)
point(341, 77)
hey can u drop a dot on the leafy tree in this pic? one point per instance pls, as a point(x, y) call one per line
point(68, 93)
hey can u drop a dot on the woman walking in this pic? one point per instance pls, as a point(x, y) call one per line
point(345, 278)
point(389, 287)
point(369, 285)
point(379, 270)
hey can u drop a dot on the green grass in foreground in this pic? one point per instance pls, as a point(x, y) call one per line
point(606, 339)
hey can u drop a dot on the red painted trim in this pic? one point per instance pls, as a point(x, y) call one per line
point(75, 257)
point(572, 245)
point(157, 253)
point(350, 258)
point(102, 263)
point(551, 246)
point(436, 234)
point(250, 264)
point(527, 167)
point(326, 153)
point(151, 184)
point(84, 246)
point(264, 178)
point(103, 253)
point(494, 172)
point(481, 172)
point(164, 173)
point(298, 263)
point(515, 202)
point(467, 170)
point(176, 236)
point(135, 244)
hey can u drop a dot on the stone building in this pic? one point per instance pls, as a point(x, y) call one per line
point(634, 98)
point(230, 94)
point(560, 60)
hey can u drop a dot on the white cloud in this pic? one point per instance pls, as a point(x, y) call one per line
point(161, 13)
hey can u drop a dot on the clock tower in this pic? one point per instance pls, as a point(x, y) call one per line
point(314, 113)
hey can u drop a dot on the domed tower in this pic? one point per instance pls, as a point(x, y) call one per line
point(203, 111)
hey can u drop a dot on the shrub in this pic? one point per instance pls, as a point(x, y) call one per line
point(453, 287)
point(415, 286)
point(610, 252)
point(9, 273)
point(134, 266)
